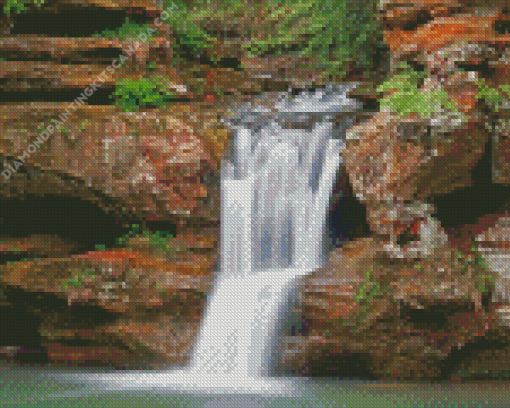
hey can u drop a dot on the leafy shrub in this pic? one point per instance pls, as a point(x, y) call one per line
point(132, 94)
point(126, 30)
point(158, 240)
point(19, 5)
point(407, 98)
point(332, 32)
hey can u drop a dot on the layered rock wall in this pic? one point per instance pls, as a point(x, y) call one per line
point(416, 298)
point(153, 176)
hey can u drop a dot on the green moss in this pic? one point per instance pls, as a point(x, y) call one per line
point(64, 130)
point(77, 277)
point(18, 6)
point(159, 240)
point(124, 240)
point(127, 30)
point(495, 97)
point(505, 89)
point(131, 95)
point(407, 98)
point(367, 292)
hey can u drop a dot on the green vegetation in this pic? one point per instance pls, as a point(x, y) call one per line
point(326, 30)
point(158, 240)
point(131, 95)
point(494, 97)
point(368, 291)
point(128, 30)
point(17, 6)
point(78, 277)
point(407, 98)
point(134, 229)
point(191, 37)
point(64, 130)
point(484, 281)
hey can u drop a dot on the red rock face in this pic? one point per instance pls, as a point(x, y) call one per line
point(412, 328)
point(415, 301)
point(148, 296)
point(156, 166)
point(442, 32)
point(386, 170)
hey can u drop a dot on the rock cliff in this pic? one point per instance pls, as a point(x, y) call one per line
point(425, 297)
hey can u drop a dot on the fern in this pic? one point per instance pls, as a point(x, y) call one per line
point(332, 32)
point(131, 94)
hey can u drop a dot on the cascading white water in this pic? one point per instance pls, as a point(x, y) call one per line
point(275, 196)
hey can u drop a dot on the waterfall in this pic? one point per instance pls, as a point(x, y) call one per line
point(275, 197)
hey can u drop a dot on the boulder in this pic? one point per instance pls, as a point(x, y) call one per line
point(152, 339)
point(490, 363)
point(391, 164)
point(473, 28)
point(153, 166)
point(445, 61)
point(403, 14)
point(494, 245)
point(393, 319)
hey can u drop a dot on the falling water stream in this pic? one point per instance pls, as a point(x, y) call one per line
point(275, 197)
